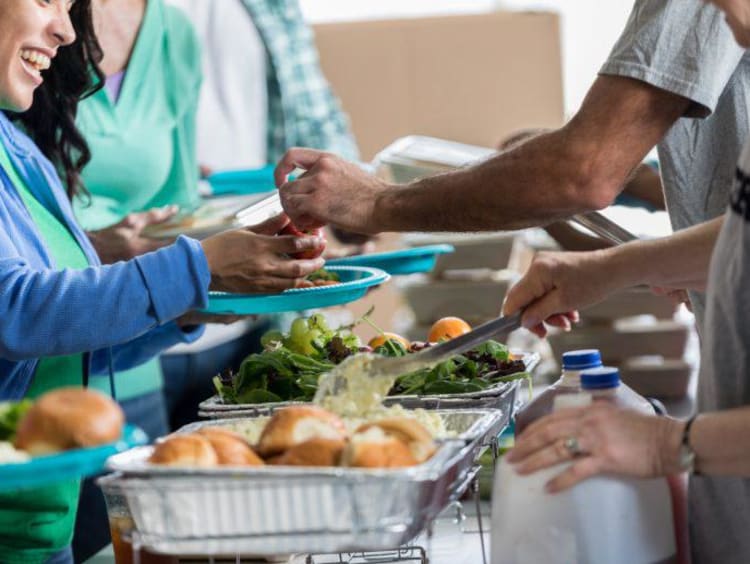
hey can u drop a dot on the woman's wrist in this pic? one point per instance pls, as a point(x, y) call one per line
point(624, 265)
point(669, 446)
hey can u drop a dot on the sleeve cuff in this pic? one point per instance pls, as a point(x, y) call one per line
point(177, 278)
point(191, 333)
point(703, 102)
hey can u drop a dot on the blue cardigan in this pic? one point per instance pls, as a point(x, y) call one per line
point(122, 314)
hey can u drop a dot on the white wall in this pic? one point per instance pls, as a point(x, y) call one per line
point(590, 27)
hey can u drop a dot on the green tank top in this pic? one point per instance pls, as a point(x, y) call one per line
point(36, 523)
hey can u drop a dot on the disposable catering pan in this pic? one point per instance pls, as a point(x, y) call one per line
point(500, 396)
point(277, 509)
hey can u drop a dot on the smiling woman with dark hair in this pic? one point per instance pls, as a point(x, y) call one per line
point(50, 122)
point(64, 315)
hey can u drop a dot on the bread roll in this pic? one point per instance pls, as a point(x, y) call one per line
point(69, 418)
point(409, 431)
point(314, 452)
point(185, 450)
point(230, 448)
point(294, 425)
point(373, 448)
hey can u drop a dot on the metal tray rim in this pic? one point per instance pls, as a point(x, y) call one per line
point(486, 419)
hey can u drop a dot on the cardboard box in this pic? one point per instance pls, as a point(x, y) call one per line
point(470, 78)
point(618, 343)
point(473, 301)
point(666, 379)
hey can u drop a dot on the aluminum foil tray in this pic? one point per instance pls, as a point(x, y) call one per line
point(280, 509)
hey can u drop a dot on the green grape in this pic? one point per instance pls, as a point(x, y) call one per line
point(307, 346)
point(299, 330)
point(291, 345)
point(271, 337)
point(318, 321)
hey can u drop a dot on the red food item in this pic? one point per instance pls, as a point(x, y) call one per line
point(292, 229)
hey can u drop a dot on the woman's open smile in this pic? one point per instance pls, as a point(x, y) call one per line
point(31, 31)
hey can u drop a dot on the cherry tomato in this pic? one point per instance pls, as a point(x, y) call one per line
point(292, 229)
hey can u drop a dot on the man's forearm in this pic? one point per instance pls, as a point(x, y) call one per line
point(679, 261)
point(533, 184)
point(577, 168)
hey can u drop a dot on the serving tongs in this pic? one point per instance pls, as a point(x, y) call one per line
point(604, 227)
point(389, 367)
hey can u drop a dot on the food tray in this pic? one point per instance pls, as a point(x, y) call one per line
point(404, 261)
point(216, 215)
point(242, 181)
point(278, 509)
point(486, 251)
point(416, 156)
point(495, 397)
point(355, 281)
point(68, 465)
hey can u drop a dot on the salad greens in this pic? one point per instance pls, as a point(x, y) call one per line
point(323, 274)
point(11, 413)
point(290, 365)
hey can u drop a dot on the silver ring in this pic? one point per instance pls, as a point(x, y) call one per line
point(572, 446)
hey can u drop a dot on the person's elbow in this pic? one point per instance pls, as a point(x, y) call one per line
point(17, 348)
point(589, 188)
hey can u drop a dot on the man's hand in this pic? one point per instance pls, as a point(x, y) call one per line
point(557, 285)
point(331, 191)
point(124, 240)
point(255, 260)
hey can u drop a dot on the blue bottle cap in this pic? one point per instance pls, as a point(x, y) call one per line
point(580, 360)
point(600, 378)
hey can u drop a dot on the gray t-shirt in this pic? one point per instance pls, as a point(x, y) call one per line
point(720, 507)
point(685, 47)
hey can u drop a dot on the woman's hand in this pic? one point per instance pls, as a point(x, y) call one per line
point(254, 259)
point(124, 240)
point(557, 285)
point(609, 439)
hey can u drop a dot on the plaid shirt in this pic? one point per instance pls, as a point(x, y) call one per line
point(302, 109)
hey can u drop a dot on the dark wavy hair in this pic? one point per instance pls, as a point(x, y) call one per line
point(74, 74)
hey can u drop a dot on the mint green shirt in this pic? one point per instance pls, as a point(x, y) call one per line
point(143, 145)
point(36, 523)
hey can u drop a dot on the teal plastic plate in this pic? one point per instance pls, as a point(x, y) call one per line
point(246, 181)
point(355, 281)
point(405, 261)
point(68, 465)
